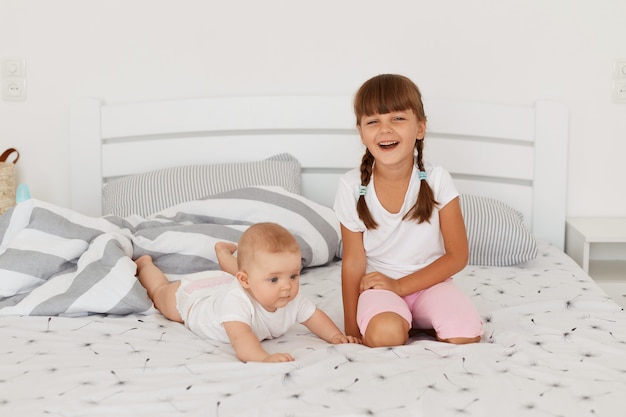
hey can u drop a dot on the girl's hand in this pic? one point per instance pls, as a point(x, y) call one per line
point(342, 338)
point(378, 281)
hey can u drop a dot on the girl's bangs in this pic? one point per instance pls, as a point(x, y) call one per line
point(386, 94)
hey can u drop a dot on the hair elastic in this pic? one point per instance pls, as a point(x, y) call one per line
point(422, 175)
point(362, 189)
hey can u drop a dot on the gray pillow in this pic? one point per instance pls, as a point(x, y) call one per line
point(149, 192)
point(496, 233)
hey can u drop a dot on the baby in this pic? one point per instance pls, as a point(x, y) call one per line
point(255, 297)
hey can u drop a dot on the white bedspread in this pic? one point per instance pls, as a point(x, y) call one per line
point(554, 345)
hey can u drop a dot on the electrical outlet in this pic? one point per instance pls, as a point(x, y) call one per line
point(13, 79)
point(619, 81)
point(619, 91)
point(14, 89)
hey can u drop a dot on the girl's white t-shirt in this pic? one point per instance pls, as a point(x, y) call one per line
point(397, 247)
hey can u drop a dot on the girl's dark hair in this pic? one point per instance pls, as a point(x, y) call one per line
point(383, 94)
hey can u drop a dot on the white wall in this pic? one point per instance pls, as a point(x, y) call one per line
point(506, 51)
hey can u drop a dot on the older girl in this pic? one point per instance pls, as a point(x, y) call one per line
point(402, 228)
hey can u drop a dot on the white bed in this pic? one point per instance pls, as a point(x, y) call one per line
point(554, 343)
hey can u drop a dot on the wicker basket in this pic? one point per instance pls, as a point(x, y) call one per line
point(8, 181)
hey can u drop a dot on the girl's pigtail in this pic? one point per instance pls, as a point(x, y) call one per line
point(425, 204)
point(367, 164)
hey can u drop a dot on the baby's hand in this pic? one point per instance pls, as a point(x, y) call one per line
point(279, 357)
point(342, 338)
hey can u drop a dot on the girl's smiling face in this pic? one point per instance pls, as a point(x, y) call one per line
point(390, 137)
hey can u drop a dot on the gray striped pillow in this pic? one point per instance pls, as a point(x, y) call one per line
point(149, 192)
point(496, 233)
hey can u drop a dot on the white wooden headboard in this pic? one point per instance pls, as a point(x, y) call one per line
point(512, 153)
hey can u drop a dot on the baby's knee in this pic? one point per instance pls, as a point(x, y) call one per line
point(386, 329)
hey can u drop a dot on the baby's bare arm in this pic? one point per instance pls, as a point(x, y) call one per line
point(320, 324)
point(225, 252)
point(248, 347)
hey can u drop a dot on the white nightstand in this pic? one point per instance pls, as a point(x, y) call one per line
point(598, 245)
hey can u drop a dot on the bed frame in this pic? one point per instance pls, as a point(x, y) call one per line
point(513, 153)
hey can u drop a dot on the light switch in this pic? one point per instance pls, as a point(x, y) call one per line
point(13, 67)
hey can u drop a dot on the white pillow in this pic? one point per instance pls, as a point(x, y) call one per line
point(496, 233)
point(149, 192)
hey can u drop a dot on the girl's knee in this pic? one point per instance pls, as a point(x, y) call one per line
point(386, 329)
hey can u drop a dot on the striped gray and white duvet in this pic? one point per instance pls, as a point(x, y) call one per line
point(55, 261)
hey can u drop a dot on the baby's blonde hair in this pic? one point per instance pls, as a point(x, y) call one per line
point(264, 237)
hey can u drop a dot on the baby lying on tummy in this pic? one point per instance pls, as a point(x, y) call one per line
point(255, 296)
